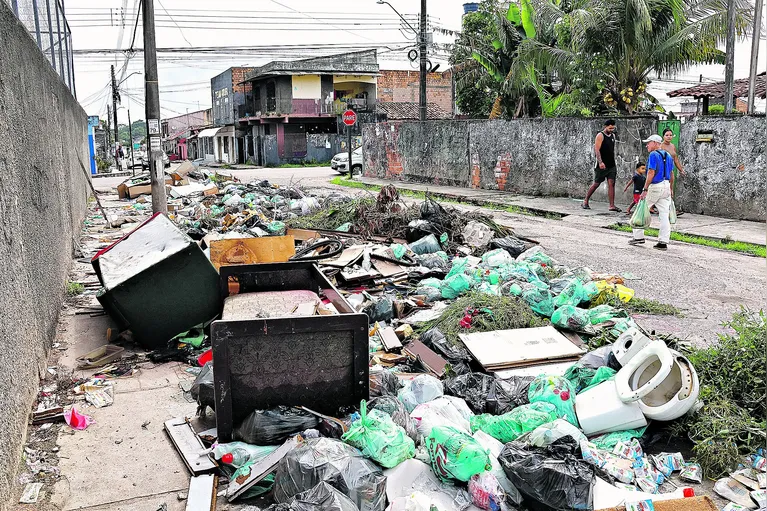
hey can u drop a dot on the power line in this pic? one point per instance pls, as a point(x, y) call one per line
point(174, 22)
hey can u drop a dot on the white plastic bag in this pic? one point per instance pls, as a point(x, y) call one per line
point(439, 412)
point(421, 389)
point(552, 431)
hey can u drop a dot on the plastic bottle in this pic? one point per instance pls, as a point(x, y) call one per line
point(238, 454)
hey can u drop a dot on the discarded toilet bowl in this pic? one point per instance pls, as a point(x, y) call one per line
point(600, 410)
point(655, 351)
point(630, 342)
point(677, 393)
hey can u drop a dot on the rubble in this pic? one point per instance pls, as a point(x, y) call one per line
point(472, 342)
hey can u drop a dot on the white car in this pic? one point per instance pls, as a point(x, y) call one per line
point(145, 161)
point(340, 162)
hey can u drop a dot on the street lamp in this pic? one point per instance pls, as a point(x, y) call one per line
point(422, 55)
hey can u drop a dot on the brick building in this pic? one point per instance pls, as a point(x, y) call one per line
point(228, 93)
point(396, 86)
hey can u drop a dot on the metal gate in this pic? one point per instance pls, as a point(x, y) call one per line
point(294, 146)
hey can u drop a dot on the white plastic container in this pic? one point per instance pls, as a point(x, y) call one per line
point(656, 360)
point(630, 342)
point(600, 410)
point(675, 395)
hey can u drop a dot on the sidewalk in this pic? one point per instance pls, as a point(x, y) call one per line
point(570, 210)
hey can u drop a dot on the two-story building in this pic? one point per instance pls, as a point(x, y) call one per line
point(177, 131)
point(228, 96)
point(290, 101)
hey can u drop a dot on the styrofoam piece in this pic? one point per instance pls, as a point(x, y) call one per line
point(600, 410)
point(655, 350)
point(675, 395)
point(630, 342)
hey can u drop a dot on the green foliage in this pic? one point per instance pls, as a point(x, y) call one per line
point(716, 109)
point(331, 216)
point(723, 244)
point(644, 306)
point(75, 288)
point(499, 313)
point(733, 379)
point(139, 131)
point(101, 164)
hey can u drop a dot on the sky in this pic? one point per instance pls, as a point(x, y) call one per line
point(266, 28)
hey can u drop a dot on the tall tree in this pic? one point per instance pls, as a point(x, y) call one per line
point(619, 44)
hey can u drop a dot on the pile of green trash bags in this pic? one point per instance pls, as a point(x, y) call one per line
point(455, 455)
point(603, 313)
point(512, 425)
point(577, 293)
point(379, 438)
point(583, 378)
point(573, 318)
point(540, 300)
point(556, 391)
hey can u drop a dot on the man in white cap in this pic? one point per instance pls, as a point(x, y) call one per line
point(658, 190)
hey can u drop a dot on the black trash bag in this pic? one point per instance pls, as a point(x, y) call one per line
point(384, 383)
point(418, 229)
point(433, 211)
point(322, 497)
point(558, 285)
point(485, 394)
point(273, 427)
point(552, 477)
point(396, 409)
point(433, 262)
point(510, 244)
point(340, 465)
point(380, 310)
point(456, 355)
point(202, 389)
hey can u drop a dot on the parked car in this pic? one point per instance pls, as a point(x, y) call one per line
point(340, 162)
point(145, 161)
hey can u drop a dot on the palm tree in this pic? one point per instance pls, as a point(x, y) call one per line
point(617, 44)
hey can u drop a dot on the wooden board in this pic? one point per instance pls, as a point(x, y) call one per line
point(387, 268)
point(270, 249)
point(202, 493)
point(349, 256)
point(389, 339)
point(554, 369)
point(429, 358)
point(505, 349)
point(189, 446)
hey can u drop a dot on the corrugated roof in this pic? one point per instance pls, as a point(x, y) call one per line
point(410, 111)
point(716, 90)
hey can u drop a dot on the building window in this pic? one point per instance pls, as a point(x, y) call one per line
point(271, 96)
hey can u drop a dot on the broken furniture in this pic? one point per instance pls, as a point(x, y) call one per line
point(265, 355)
point(157, 282)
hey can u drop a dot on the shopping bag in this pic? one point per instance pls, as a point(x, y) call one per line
point(641, 217)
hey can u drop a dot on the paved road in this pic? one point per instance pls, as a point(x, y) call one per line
point(708, 284)
point(307, 177)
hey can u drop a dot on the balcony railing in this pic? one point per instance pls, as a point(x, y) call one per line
point(309, 107)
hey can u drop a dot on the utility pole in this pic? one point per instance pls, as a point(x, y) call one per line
point(422, 54)
point(108, 146)
point(152, 101)
point(130, 134)
point(115, 99)
point(729, 60)
point(755, 40)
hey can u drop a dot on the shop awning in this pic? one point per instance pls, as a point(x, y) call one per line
point(209, 132)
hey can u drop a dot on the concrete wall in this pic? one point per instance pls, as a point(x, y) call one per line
point(727, 174)
point(554, 157)
point(43, 193)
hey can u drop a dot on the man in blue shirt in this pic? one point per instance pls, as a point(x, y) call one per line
point(658, 190)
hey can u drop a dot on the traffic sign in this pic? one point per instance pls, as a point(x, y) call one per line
point(349, 117)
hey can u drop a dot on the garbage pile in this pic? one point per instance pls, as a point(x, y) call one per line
point(481, 390)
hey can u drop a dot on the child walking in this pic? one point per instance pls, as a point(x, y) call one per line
point(638, 179)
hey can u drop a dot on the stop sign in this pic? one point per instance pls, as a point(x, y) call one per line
point(349, 117)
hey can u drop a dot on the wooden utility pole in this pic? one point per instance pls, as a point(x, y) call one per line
point(152, 101)
point(422, 55)
point(755, 40)
point(108, 146)
point(729, 60)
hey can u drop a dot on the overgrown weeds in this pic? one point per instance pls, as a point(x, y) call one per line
point(495, 313)
point(645, 306)
point(75, 288)
point(733, 380)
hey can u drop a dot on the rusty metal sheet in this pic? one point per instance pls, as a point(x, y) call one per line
point(237, 251)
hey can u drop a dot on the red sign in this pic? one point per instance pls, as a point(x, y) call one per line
point(349, 117)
